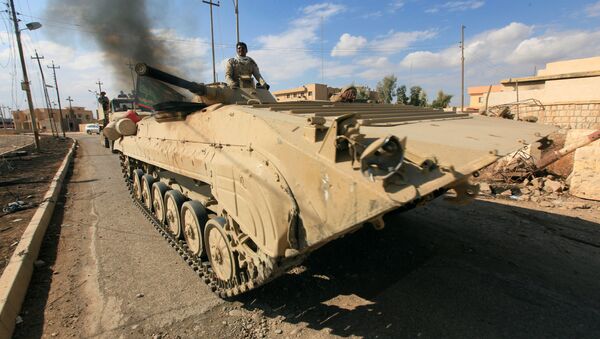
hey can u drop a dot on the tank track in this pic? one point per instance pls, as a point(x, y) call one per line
point(224, 289)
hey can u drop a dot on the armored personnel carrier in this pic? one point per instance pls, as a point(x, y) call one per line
point(244, 187)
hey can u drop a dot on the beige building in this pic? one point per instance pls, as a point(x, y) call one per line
point(71, 119)
point(312, 92)
point(306, 92)
point(565, 93)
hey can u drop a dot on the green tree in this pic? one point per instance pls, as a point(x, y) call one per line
point(386, 88)
point(401, 97)
point(362, 93)
point(418, 97)
point(442, 100)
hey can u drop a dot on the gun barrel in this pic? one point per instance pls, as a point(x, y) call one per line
point(143, 69)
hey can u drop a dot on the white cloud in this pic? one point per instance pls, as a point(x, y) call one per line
point(492, 47)
point(593, 10)
point(395, 42)
point(375, 67)
point(551, 47)
point(348, 45)
point(453, 6)
point(285, 55)
point(396, 5)
point(371, 15)
point(339, 71)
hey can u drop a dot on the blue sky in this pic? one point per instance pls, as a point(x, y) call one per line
point(293, 41)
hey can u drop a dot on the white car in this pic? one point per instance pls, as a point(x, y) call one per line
point(92, 129)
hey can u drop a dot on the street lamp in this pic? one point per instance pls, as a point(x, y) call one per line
point(30, 26)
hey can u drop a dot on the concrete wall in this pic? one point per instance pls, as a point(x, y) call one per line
point(585, 114)
point(570, 66)
point(552, 91)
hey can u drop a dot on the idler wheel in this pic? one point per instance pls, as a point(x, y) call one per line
point(218, 250)
point(147, 181)
point(193, 218)
point(137, 184)
point(173, 201)
point(158, 200)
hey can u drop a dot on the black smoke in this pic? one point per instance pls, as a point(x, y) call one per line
point(122, 28)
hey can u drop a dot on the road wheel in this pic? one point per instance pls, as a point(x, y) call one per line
point(193, 218)
point(158, 203)
point(218, 250)
point(137, 184)
point(147, 181)
point(106, 142)
point(173, 201)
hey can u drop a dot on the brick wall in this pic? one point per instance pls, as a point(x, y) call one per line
point(572, 115)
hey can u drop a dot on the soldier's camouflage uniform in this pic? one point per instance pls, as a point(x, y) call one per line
point(241, 67)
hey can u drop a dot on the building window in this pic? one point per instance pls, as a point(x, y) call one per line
point(288, 96)
point(309, 93)
point(480, 100)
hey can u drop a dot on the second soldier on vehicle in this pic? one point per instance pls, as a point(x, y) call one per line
point(240, 70)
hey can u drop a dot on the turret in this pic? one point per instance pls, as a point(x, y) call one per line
point(212, 93)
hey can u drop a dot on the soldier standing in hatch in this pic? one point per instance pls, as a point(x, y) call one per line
point(243, 67)
point(103, 100)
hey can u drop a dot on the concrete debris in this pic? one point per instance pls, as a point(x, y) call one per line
point(39, 263)
point(548, 191)
point(485, 188)
point(139, 295)
point(552, 186)
point(19, 320)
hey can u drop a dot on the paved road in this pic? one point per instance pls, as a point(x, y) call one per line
point(489, 269)
point(119, 254)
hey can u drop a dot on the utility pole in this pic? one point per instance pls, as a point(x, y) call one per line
point(2, 113)
point(130, 65)
point(212, 35)
point(70, 107)
point(322, 57)
point(50, 112)
point(36, 136)
point(237, 20)
point(462, 73)
point(62, 125)
point(99, 83)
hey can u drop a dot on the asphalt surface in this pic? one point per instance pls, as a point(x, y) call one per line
point(489, 269)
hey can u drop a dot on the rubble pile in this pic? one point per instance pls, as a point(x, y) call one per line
point(547, 191)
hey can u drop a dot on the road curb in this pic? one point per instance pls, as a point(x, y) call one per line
point(17, 274)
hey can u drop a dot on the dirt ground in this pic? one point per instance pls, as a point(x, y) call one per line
point(13, 141)
point(494, 268)
point(25, 178)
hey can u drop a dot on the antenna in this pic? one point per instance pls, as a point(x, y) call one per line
point(322, 62)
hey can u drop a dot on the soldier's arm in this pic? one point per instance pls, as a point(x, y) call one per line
point(256, 73)
point(229, 74)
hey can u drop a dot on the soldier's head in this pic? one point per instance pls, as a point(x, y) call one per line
point(241, 49)
point(102, 94)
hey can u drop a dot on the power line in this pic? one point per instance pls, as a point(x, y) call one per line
point(212, 35)
point(26, 83)
point(54, 68)
point(46, 96)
